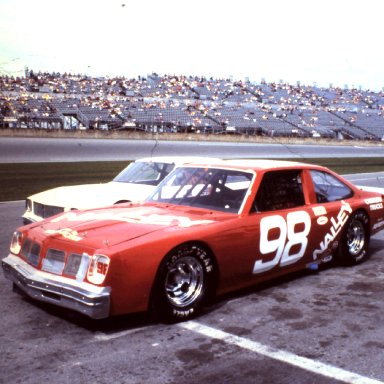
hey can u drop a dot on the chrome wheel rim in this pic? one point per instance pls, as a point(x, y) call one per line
point(355, 237)
point(184, 281)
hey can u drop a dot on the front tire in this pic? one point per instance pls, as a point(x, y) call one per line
point(184, 282)
point(353, 248)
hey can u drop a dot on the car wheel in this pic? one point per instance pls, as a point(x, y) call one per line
point(184, 282)
point(353, 248)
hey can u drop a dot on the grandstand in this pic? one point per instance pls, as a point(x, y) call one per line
point(189, 104)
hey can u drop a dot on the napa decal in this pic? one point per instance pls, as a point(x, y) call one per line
point(139, 218)
point(336, 225)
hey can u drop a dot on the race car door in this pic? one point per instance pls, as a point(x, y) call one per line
point(284, 223)
point(331, 210)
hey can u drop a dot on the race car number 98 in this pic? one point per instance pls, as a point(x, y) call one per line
point(291, 243)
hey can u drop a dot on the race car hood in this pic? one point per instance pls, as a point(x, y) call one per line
point(88, 196)
point(111, 226)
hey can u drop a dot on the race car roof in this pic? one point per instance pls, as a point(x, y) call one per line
point(178, 160)
point(254, 164)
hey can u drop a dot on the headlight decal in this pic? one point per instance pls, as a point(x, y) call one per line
point(31, 251)
point(54, 261)
point(34, 254)
point(77, 266)
point(73, 264)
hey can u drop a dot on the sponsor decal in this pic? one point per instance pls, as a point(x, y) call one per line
point(322, 220)
point(139, 218)
point(291, 244)
point(319, 211)
point(373, 200)
point(67, 233)
point(337, 225)
point(376, 207)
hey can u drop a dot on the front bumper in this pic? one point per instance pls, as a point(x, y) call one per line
point(85, 298)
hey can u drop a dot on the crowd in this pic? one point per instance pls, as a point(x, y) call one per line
point(171, 103)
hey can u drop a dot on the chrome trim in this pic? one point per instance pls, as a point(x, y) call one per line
point(29, 218)
point(184, 281)
point(88, 299)
point(355, 237)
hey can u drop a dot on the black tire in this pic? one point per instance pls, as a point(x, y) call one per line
point(184, 282)
point(354, 242)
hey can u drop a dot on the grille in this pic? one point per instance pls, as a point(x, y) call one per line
point(45, 211)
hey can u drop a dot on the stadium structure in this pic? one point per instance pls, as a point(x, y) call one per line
point(176, 104)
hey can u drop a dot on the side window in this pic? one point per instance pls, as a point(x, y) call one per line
point(280, 190)
point(329, 188)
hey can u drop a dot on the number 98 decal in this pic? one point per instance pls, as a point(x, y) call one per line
point(290, 244)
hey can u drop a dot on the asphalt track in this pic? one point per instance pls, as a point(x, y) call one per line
point(20, 150)
point(308, 328)
point(320, 328)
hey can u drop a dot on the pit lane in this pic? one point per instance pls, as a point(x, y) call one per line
point(331, 319)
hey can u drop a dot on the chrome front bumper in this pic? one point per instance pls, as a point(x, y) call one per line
point(85, 298)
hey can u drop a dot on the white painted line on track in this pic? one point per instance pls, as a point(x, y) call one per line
point(365, 179)
point(283, 356)
point(100, 336)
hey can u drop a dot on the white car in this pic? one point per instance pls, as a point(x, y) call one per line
point(134, 183)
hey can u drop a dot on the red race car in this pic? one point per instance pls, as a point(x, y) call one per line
point(207, 229)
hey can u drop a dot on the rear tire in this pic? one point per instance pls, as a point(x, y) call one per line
point(184, 282)
point(354, 242)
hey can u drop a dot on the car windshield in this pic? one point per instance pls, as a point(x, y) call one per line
point(144, 172)
point(216, 189)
